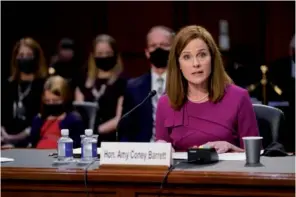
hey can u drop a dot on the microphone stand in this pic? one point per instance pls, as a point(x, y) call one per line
point(264, 82)
point(150, 95)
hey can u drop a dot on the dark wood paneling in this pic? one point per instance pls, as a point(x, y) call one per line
point(129, 22)
point(266, 27)
point(244, 22)
point(280, 27)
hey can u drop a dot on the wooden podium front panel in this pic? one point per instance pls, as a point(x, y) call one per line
point(142, 183)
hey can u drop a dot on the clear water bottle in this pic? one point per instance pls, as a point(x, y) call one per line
point(65, 146)
point(88, 146)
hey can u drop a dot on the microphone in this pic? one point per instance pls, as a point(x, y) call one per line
point(150, 95)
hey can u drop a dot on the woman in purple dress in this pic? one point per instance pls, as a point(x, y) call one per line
point(202, 105)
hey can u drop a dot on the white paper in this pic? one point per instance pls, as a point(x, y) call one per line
point(5, 159)
point(223, 156)
point(232, 156)
point(78, 151)
point(180, 155)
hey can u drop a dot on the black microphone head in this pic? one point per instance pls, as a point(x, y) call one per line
point(152, 93)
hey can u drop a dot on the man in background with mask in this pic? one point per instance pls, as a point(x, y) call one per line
point(140, 125)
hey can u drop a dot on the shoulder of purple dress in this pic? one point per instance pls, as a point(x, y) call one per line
point(236, 91)
point(164, 101)
point(164, 104)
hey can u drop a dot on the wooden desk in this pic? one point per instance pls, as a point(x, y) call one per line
point(53, 182)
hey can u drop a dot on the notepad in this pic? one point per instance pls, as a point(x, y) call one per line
point(5, 159)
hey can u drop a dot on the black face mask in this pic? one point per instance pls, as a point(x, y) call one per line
point(53, 109)
point(65, 69)
point(105, 63)
point(27, 65)
point(159, 57)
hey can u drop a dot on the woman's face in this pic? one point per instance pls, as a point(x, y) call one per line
point(66, 54)
point(52, 104)
point(25, 52)
point(104, 56)
point(103, 49)
point(195, 62)
point(26, 61)
point(51, 99)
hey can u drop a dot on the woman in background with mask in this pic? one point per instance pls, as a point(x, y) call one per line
point(66, 63)
point(56, 114)
point(21, 100)
point(105, 86)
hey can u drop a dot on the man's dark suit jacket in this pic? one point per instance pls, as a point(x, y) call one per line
point(137, 127)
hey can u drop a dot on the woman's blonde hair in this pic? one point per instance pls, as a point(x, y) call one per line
point(41, 72)
point(92, 69)
point(59, 86)
point(177, 85)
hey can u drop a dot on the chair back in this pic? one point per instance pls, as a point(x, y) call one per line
point(270, 122)
point(88, 112)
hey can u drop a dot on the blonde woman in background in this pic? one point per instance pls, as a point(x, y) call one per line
point(105, 86)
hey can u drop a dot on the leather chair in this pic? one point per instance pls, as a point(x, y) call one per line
point(270, 123)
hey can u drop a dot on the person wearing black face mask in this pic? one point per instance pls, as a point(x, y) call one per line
point(139, 126)
point(66, 63)
point(105, 85)
point(56, 114)
point(21, 96)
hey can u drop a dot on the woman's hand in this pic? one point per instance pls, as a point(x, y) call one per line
point(5, 137)
point(223, 147)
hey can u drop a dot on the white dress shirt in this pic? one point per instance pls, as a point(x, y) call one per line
point(155, 85)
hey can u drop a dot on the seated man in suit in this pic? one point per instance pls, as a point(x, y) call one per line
point(139, 126)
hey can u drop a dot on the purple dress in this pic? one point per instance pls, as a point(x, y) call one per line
point(228, 120)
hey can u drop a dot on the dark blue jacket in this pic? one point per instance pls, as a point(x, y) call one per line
point(137, 127)
point(72, 121)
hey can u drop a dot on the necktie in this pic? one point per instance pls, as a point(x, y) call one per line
point(159, 86)
point(160, 82)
